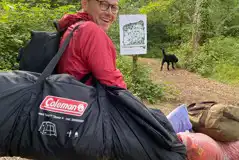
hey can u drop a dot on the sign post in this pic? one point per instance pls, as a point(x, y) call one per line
point(134, 68)
point(133, 37)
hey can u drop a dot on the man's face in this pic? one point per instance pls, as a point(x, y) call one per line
point(104, 12)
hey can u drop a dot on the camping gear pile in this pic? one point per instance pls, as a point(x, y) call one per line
point(56, 117)
point(209, 130)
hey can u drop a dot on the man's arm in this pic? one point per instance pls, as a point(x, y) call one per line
point(99, 53)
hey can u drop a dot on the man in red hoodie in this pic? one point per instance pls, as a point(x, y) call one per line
point(90, 49)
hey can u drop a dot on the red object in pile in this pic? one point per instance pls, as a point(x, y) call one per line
point(201, 147)
point(230, 150)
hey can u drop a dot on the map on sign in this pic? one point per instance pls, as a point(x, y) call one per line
point(133, 34)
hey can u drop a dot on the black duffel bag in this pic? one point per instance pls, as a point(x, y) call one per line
point(56, 117)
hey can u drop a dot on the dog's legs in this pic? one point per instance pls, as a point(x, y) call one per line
point(162, 65)
point(173, 65)
point(168, 65)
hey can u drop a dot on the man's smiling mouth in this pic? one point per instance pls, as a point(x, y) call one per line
point(106, 20)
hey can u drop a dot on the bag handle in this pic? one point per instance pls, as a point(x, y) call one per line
point(209, 102)
point(57, 27)
point(52, 64)
point(197, 108)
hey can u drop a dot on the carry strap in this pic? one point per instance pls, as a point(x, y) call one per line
point(52, 64)
point(197, 108)
point(57, 26)
point(86, 77)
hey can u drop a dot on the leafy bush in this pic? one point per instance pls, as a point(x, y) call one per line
point(142, 86)
point(218, 58)
point(226, 73)
point(8, 46)
point(16, 22)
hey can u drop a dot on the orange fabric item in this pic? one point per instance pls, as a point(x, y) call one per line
point(201, 147)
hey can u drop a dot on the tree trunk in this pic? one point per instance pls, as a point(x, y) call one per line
point(196, 25)
point(181, 27)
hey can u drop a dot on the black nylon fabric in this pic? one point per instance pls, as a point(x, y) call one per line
point(39, 51)
point(115, 125)
point(56, 117)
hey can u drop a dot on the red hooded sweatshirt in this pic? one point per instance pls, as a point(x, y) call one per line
point(89, 51)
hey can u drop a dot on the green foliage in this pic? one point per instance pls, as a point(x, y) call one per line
point(168, 24)
point(226, 73)
point(225, 17)
point(114, 34)
point(52, 3)
point(142, 86)
point(16, 22)
point(160, 5)
point(8, 46)
point(218, 58)
point(206, 27)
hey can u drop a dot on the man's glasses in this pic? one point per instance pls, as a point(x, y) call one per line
point(104, 6)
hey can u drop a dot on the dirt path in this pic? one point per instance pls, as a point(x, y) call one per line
point(186, 87)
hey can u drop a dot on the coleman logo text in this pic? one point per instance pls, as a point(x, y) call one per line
point(63, 105)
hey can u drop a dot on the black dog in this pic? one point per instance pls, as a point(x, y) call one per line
point(168, 58)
